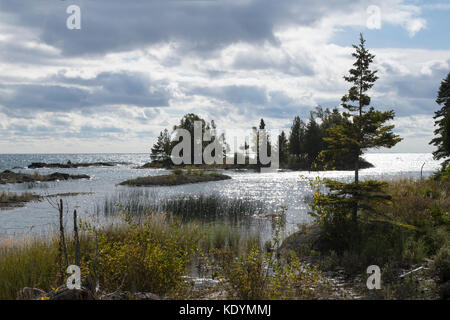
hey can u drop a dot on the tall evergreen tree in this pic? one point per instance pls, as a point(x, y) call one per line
point(442, 122)
point(296, 138)
point(363, 129)
point(260, 135)
point(162, 148)
point(313, 140)
point(187, 123)
point(283, 148)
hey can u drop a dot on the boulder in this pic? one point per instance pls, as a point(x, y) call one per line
point(64, 293)
point(30, 294)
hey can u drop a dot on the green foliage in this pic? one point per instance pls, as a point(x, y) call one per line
point(266, 275)
point(361, 130)
point(441, 265)
point(177, 172)
point(162, 149)
point(27, 264)
point(442, 123)
point(150, 256)
point(283, 149)
point(334, 209)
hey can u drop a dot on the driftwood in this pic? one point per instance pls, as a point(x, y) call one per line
point(412, 271)
point(77, 240)
point(63, 246)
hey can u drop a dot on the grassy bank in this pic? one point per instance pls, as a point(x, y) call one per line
point(18, 177)
point(178, 177)
point(159, 253)
point(8, 199)
point(412, 232)
point(156, 254)
point(188, 208)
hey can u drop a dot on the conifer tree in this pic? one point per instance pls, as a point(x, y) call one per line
point(313, 140)
point(283, 150)
point(162, 148)
point(442, 122)
point(363, 129)
point(296, 138)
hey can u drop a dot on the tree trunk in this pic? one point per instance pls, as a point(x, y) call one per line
point(355, 207)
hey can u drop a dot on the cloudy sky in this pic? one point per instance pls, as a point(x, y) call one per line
point(135, 67)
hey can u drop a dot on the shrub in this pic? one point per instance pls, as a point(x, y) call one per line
point(150, 256)
point(178, 172)
point(30, 263)
point(441, 265)
point(266, 275)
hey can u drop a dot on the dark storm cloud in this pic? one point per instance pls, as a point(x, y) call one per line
point(201, 26)
point(69, 94)
point(253, 101)
point(250, 61)
point(411, 94)
point(234, 94)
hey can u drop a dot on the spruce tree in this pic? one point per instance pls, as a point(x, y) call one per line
point(283, 150)
point(296, 138)
point(162, 148)
point(313, 140)
point(442, 122)
point(363, 129)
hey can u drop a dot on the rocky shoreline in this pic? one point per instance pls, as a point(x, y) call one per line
point(8, 176)
point(174, 179)
point(70, 165)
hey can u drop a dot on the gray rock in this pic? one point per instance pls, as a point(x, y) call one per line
point(30, 294)
point(147, 296)
point(64, 293)
point(115, 296)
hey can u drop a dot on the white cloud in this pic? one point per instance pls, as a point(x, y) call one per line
point(288, 71)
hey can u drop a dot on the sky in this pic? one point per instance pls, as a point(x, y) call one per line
point(136, 67)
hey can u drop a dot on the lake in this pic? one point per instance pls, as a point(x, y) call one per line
point(290, 189)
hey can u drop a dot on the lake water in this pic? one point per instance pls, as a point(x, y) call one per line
point(289, 189)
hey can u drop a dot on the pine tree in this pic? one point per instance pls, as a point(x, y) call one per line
point(313, 140)
point(187, 123)
point(442, 122)
point(283, 148)
point(363, 129)
point(162, 148)
point(260, 135)
point(296, 138)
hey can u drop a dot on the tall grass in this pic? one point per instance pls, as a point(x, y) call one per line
point(205, 208)
point(209, 208)
point(148, 253)
point(29, 263)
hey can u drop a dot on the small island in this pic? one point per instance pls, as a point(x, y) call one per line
point(13, 200)
point(70, 165)
point(178, 177)
point(8, 176)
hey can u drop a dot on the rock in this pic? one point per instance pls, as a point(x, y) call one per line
point(147, 296)
point(64, 293)
point(70, 165)
point(444, 291)
point(310, 237)
point(124, 295)
point(30, 294)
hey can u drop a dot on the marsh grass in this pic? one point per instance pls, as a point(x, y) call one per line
point(210, 208)
point(203, 208)
point(14, 199)
point(27, 263)
point(410, 230)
